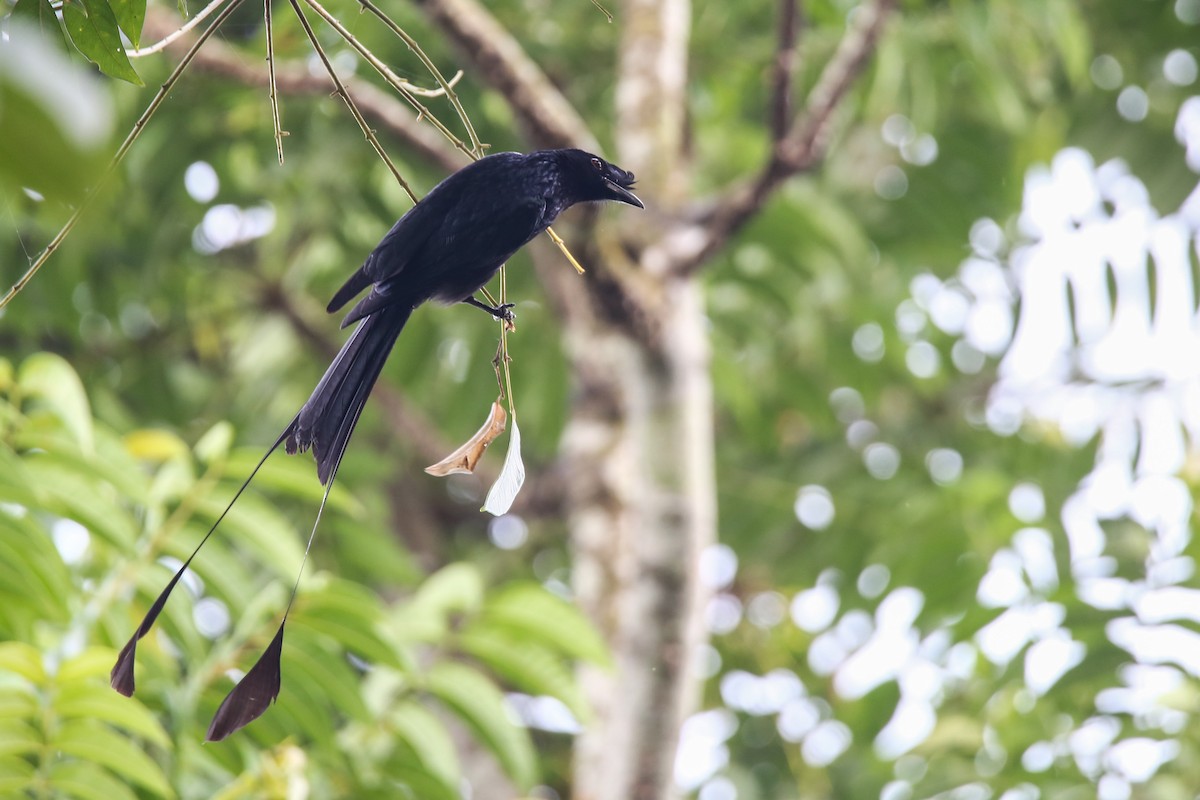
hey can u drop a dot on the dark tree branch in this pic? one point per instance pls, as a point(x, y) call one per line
point(691, 245)
point(786, 56)
point(381, 107)
point(545, 114)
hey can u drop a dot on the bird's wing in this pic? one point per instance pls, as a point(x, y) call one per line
point(393, 252)
point(460, 255)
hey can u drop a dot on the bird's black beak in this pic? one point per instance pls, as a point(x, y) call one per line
point(621, 194)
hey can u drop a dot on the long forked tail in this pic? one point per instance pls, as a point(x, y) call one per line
point(324, 424)
point(327, 420)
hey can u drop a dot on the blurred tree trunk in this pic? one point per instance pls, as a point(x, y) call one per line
point(639, 445)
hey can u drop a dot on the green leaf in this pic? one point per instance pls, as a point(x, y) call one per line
point(93, 28)
point(531, 611)
point(481, 706)
point(24, 660)
point(528, 667)
point(100, 702)
point(429, 739)
point(94, 662)
point(18, 737)
point(55, 383)
point(92, 741)
point(16, 775)
point(454, 588)
point(17, 702)
point(87, 781)
point(41, 14)
point(131, 15)
point(215, 443)
point(351, 616)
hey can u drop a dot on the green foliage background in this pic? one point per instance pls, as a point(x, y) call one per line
point(142, 377)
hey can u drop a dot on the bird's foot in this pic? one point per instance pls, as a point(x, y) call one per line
point(504, 312)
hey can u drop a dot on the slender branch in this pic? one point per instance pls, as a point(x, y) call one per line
point(388, 75)
point(807, 141)
point(295, 79)
point(805, 144)
point(279, 132)
point(182, 30)
point(477, 147)
point(548, 118)
point(790, 17)
point(119, 156)
point(350, 104)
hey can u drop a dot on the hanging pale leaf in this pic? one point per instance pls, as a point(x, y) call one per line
point(512, 475)
point(464, 459)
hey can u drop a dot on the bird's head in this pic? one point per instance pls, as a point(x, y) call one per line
point(592, 178)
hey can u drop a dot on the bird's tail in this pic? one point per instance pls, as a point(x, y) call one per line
point(327, 420)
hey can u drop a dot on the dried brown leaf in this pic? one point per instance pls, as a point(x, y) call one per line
point(464, 459)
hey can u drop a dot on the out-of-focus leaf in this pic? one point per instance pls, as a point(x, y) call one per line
point(41, 14)
point(464, 459)
point(18, 737)
point(429, 739)
point(88, 781)
point(155, 445)
point(528, 667)
point(481, 705)
point(16, 775)
point(99, 702)
point(17, 703)
point(93, 28)
point(24, 660)
point(50, 379)
point(94, 662)
point(36, 575)
point(54, 120)
point(351, 616)
point(531, 611)
point(454, 588)
point(94, 742)
point(215, 443)
point(327, 672)
point(512, 476)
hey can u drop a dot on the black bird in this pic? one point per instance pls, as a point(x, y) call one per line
point(446, 248)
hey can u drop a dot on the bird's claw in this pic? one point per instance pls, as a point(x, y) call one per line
point(504, 312)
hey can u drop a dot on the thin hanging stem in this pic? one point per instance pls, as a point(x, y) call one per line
point(388, 75)
point(477, 146)
point(341, 90)
point(279, 132)
point(136, 131)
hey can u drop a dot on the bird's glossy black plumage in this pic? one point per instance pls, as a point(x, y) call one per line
point(445, 248)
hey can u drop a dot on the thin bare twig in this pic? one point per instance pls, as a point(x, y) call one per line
point(477, 146)
point(543, 111)
point(119, 156)
point(162, 43)
point(354, 112)
point(279, 132)
point(376, 104)
point(807, 140)
point(390, 76)
point(804, 145)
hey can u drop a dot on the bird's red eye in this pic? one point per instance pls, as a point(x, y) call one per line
point(598, 164)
